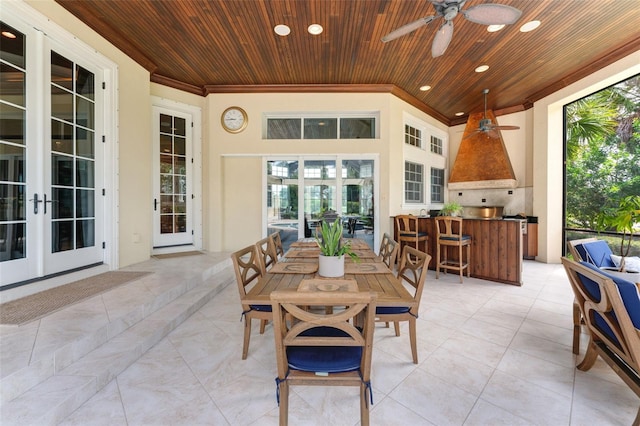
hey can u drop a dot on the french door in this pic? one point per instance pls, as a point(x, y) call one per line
point(52, 212)
point(173, 218)
point(300, 191)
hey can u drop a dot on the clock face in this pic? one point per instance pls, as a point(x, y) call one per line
point(234, 119)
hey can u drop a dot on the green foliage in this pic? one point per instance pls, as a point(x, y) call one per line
point(330, 240)
point(624, 218)
point(451, 208)
point(603, 153)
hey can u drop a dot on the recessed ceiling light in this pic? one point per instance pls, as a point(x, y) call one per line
point(529, 26)
point(482, 68)
point(458, 114)
point(282, 30)
point(315, 29)
point(425, 88)
point(494, 28)
point(8, 34)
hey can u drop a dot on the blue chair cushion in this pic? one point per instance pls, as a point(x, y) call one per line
point(413, 234)
point(389, 310)
point(628, 292)
point(598, 253)
point(262, 308)
point(324, 359)
point(464, 238)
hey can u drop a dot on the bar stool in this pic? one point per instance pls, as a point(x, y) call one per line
point(449, 234)
point(408, 231)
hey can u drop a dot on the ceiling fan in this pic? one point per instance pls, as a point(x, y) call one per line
point(485, 14)
point(486, 125)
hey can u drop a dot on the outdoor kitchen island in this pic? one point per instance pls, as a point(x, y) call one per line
point(496, 247)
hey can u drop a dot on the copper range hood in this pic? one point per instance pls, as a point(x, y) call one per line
point(482, 161)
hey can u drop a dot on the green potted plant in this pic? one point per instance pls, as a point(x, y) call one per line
point(332, 249)
point(623, 218)
point(451, 209)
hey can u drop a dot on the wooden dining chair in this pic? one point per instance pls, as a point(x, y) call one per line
point(412, 270)
point(268, 253)
point(409, 231)
point(248, 268)
point(278, 243)
point(319, 348)
point(388, 251)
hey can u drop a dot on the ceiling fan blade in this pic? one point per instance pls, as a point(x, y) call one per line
point(442, 39)
point(470, 134)
point(492, 14)
point(406, 29)
point(493, 133)
point(506, 127)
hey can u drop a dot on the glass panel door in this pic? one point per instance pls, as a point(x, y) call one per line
point(72, 205)
point(320, 191)
point(14, 230)
point(282, 200)
point(357, 199)
point(52, 121)
point(172, 162)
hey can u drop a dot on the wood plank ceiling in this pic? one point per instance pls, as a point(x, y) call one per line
point(207, 46)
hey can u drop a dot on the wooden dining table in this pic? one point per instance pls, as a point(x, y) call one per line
point(300, 263)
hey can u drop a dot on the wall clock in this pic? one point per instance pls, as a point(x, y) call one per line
point(234, 119)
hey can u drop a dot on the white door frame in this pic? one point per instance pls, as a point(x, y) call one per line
point(196, 165)
point(48, 34)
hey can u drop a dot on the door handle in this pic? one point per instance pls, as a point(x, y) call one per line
point(35, 203)
point(45, 203)
point(155, 204)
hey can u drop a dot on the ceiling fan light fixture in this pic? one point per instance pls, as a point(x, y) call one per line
point(482, 68)
point(315, 29)
point(459, 114)
point(495, 27)
point(529, 26)
point(282, 30)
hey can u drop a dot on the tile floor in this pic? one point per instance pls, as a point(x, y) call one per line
point(490, 354)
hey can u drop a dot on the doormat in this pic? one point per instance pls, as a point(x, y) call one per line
point(179, 254)
point(36, 306)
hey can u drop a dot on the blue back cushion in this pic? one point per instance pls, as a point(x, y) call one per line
point(325, 359)
point(628, 293)
point(598, 253)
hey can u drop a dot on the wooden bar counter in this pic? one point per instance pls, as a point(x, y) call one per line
point(496, 248)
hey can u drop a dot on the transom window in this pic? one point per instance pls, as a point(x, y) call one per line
point(412, 136)
point(436, 145)
point(324, 127)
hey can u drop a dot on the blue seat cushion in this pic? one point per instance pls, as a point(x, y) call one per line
point(598, 253)
point(628, 293)
point(413, 234)
point(389, 310)
point(464, 238)
point(324, 359)
point(262, 308)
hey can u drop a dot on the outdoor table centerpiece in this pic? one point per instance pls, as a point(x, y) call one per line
point(332, 249)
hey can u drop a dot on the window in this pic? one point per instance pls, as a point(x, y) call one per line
point(436, 145)
point(437, 185)
point(413, 182)
point(412, 136)
point(424, 154)
point(284, 128)
point(324, 127)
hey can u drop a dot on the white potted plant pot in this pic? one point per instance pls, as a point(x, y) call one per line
point(331, 266)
